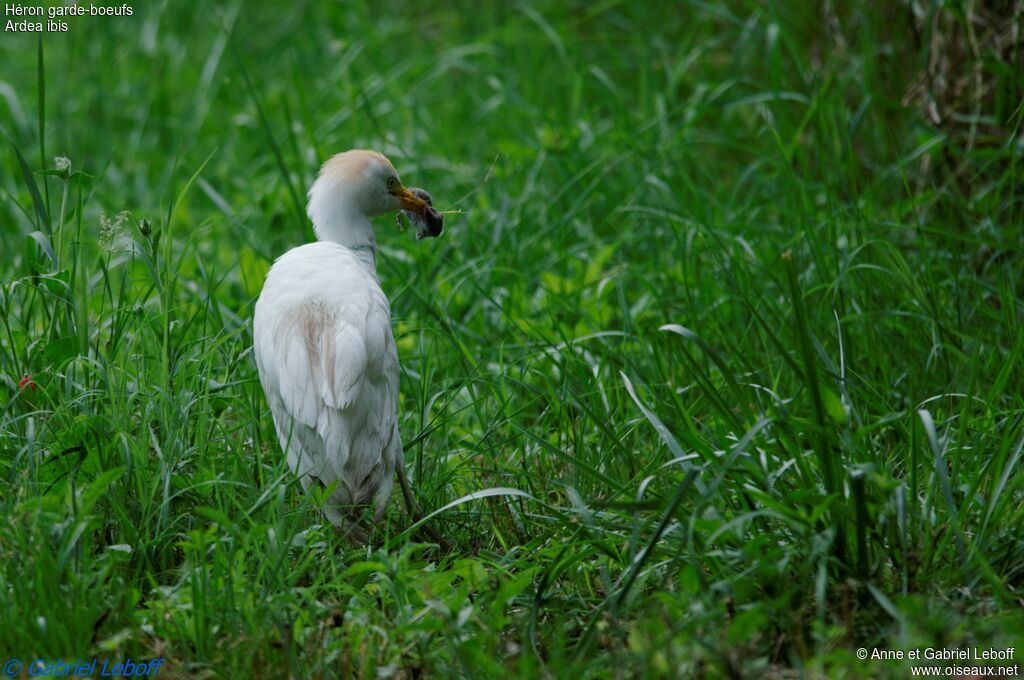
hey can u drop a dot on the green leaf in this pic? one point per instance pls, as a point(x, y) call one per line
point(58, 352)
point(254, 270)
point(33, 189)
point(834, 406)
point(98, 487)
point(43, 241)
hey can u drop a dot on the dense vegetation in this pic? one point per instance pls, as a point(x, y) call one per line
point(718, 370)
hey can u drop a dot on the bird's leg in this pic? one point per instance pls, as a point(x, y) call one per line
point(410, 502)
point(414, 511)
point(355, 533)
point(350, 523)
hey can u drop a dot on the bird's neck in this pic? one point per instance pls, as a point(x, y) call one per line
point(337, 223)
point(367, 257)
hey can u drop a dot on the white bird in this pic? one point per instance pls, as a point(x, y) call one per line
point(323, 343)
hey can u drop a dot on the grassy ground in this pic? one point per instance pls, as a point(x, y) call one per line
point(728, 326)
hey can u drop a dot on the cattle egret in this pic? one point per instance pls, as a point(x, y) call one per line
point(323, 343)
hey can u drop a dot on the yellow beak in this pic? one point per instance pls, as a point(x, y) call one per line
point(411, 201)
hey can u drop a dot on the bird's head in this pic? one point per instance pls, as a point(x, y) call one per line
point(358, 184)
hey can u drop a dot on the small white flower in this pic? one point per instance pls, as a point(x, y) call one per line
point(63, 166)
point(112, 233)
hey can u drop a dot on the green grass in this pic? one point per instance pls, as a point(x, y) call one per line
point(752, 359)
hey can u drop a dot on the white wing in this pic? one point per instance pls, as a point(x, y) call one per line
point(328, 364)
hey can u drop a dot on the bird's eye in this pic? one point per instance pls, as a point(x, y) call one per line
point(392, 182)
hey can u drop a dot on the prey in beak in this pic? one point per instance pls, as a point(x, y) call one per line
point(419, 208)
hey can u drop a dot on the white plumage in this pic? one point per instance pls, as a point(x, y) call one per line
point(323, 343)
